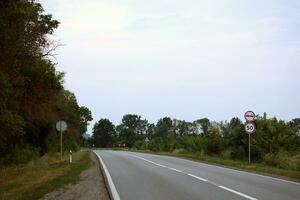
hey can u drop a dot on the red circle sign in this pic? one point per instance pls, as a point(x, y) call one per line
point(250, 127)
point(249, 116)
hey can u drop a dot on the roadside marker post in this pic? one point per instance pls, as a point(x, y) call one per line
point(250, 129)
point(61, 126)
point(71, 156)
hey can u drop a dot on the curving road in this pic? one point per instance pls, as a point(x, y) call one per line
point(138, 176)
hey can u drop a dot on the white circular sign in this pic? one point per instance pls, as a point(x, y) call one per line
point(61, 126)
point(249, 116)
point(147, 140)
point(250, 127)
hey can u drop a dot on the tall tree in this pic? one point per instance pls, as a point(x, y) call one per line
point(132, 128)
point(164, 126)
point(104, 134)
point(204, 124)
point(32, 97)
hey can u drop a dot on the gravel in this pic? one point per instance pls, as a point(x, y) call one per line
point(90, 187)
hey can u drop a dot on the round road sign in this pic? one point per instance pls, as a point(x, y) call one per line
point(61, 126)
point(250, 127)
point(249, 116)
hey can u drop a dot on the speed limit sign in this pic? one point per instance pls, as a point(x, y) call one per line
point(250, 127)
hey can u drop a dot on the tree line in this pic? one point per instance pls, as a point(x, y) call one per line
point(32, 96)
point(273, 138)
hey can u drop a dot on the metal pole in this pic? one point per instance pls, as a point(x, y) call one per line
point(60, 145)
point(60, 141)
point(249, 148)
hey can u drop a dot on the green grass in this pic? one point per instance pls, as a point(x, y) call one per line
point(35, 179)
point(259, 168)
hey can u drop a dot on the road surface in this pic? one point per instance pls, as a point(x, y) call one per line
point(139, 176)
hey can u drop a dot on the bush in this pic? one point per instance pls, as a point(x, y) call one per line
point(179, 151)
point(270, 159)
point(140, 145)
point(238, 153)
point(213, 143)
point(283, 160)
point(227, 154)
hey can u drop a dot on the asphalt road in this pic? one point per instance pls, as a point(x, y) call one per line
point(138, 176)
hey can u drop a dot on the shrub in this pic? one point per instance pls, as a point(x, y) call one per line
point(227, 154)
point(283, 160)
point(179, 151)
point(238, 153)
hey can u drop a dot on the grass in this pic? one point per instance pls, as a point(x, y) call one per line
point(260, 168)
point(35, 179)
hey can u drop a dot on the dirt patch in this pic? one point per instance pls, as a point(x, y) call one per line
point(90, 187)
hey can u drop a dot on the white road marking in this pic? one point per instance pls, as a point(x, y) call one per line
point(177, 170)
point(236, 192)
point(199, 178)
point(226, 168)
point(112, 188)
point(145, 160)
point(160, 165)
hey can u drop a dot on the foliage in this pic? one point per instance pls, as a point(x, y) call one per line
point(132, 128)
point(275, 142)
point(32, 96)
point(104, 133)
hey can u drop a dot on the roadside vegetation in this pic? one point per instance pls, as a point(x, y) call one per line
point(275, 146)
point(40, 176)
point(32, 100)
point(32, 95)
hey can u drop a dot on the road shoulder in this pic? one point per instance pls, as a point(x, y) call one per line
point(90, 187)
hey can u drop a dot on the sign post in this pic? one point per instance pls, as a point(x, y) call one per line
point(61, 126)
point(249, 128)
point(147, 141)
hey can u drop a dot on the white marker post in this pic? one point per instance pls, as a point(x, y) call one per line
point(71, 158)
point(249, 128)
point(61, 126)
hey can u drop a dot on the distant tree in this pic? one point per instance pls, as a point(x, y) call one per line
point(132, 128)
point(150, 130)
point(104, 134)
point(236, 140)
point(182, 127)
point(273, 135)
point(204, 123)
point(164, 126)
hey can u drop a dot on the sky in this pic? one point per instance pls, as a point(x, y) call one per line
point(184, 59)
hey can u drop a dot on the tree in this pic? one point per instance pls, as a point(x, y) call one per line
point(31, 90)
point(182, 127)
point(104, 134)
point(163, 127)
point(273, 135)
point(204, 123)
point(132, 128)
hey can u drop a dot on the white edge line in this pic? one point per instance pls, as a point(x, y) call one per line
point(197, 177)
point(226, 168)
point(160, 165)
point(109, 182)
point(176, 170)
point(236, 192)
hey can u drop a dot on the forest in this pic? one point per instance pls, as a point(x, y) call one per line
point(32, 94)
point(275, 142)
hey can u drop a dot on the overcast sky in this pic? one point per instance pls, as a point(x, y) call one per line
point(184, 59)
